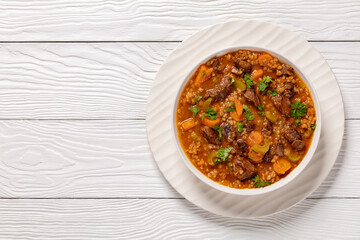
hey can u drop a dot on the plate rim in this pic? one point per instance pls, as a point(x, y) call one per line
point(169, 58)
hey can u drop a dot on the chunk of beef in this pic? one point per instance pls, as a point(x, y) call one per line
point(215, 64)
point(242, 147)
point(211, 135)
point(267, 127)
point(277, 101)
point(228, 131)
point(243, 168)
point(294, 138)
point(243, 65)
point(220, 91)
point(286, 106)
point(282, 104)
point(275, 149)
point(236, 71)
point(252, 97)
point(298, 145)
point(249, 126)
point(286, 69)
point(289, 90)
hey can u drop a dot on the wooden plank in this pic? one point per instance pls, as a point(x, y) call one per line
point(74, 219)
point(98, 20)
point(113, 80)
point(96, 159)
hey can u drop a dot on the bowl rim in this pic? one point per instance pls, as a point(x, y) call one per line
point(282, 182)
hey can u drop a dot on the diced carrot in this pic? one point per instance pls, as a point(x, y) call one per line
point(264, 59)
point(210, 123)
point(257, 73)
point(255, 137)
point(235, 116)
point(281, 166)
point(188, 123)
point(203, 75)
point(255, 157)
point(238, 107)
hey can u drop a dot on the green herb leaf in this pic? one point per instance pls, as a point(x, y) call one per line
point(313, 126)
point(272, 92)
point(297, 122)
point(217, 161)
point(218, 129)
point(298, 110)
point(230, 164)
point(251, 159)
point(231, 107)
point(223, 154)
point(267, 79)
point(203, 73)
point(240, 127)
point(197, 99)
point(232, 81)
point(248, 114)
point(261, 107)
point(259, 183)
point(248, 81)
point(210, 113)
point(194, 110)
point(264, 83)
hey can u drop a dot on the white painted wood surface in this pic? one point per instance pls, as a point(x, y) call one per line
point(128, 20)
point(73, 219)
point(75, 162)
point(113, 80)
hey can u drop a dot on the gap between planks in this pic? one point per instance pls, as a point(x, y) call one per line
point(130, 198)
point(146, 41)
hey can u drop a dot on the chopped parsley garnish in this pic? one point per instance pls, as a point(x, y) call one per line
point(210, 113)
point(297, 122)
point(251, 159)
point(259, 183)
point(272, 92)
point(194, 110)
point(203, 73)
point(240, 127)
point(298, 110)
point(248, 81)
point(197, 99)
point(218, 129)
point(223, 154)
point(313, 126)
point(264, 83)
point(261, 110)
point(261, 107)
point(231, 107)
point(232, 81)
point(248, 114)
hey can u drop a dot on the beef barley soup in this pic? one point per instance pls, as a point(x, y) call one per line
point(245, 119)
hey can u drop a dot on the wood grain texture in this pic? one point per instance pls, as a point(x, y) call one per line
point(171, 219)
point(95, 159)
point(113, 80)
point(97, 20)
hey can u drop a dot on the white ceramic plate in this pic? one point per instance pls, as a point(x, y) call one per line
point(181, 62)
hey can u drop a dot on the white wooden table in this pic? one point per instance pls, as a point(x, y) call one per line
point(74, 81)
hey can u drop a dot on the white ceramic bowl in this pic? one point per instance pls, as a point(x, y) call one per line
point(282, 182)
